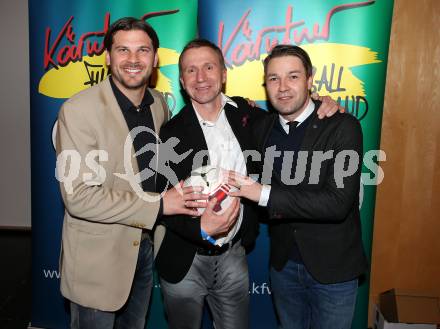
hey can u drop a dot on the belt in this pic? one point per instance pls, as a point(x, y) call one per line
point(217, 251)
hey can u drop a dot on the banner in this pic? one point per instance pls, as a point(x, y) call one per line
point(348, 42)
point(349, 54)
point(67, 56)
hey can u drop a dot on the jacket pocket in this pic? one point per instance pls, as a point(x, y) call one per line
point(90, 227)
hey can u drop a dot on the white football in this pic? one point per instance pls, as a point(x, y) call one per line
point(214, 183)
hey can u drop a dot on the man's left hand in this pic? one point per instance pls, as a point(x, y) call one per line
point(328, 106)
point(251, 102)
point(247, 187)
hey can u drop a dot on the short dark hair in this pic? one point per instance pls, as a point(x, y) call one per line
point(129, 24)
point(199, 43)
point(289, 50)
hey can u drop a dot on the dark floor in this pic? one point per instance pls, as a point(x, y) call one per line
point(15, 279)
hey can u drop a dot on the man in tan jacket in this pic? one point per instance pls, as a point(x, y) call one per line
point(106, 258)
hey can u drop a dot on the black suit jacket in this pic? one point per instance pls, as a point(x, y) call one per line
point(323, 218)
point(182, 237)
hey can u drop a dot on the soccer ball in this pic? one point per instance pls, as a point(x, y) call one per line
point(214, 183)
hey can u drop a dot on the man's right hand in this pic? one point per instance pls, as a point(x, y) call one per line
point(214, 224)
point(181, 200)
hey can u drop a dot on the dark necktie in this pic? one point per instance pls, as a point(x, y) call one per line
point(292, 125)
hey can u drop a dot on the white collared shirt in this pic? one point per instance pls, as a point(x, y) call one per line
point(300, 119)
point(224, 152)
point(265, 192)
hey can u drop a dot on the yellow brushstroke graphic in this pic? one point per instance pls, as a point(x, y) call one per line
point(66, 81)
point(166, 57)
point(246, 80)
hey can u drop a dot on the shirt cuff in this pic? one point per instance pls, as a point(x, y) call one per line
point(264, 195)
point(207, 237)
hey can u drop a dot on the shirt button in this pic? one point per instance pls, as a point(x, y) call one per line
point(135, 243)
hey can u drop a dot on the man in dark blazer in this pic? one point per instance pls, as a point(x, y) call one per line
point(204, 258)
point(311, 191)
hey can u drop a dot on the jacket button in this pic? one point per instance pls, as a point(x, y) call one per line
point(136, 243)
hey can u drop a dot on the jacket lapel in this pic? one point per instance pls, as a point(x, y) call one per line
point(263, 131)
point(115, 112)
point(195, 139)
point(155, 110)
point(112, 104)
point(313, 130)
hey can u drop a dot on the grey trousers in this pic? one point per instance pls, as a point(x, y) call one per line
point(222, 281)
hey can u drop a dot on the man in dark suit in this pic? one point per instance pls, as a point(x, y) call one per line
point(313, 198)
point(204, 259)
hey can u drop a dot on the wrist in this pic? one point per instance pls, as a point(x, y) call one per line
point(207, 237)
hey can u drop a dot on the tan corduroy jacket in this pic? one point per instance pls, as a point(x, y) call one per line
point(104, 214)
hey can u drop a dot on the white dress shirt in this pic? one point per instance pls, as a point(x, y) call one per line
point(224, 152)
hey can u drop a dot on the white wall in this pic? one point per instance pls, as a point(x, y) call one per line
point(15, 204)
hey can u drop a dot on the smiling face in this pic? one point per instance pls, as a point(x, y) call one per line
point(202, 76)
point(131, 59)
point(288, 86)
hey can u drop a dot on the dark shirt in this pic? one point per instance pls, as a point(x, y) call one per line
point(140, 116)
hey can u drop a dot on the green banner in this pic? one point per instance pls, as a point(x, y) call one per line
point(348, 43)
point(175, 22)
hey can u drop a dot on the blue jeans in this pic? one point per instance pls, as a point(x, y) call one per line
point(302, 302)
point(132, 314)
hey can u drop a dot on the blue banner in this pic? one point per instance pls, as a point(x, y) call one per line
point(67, 56)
